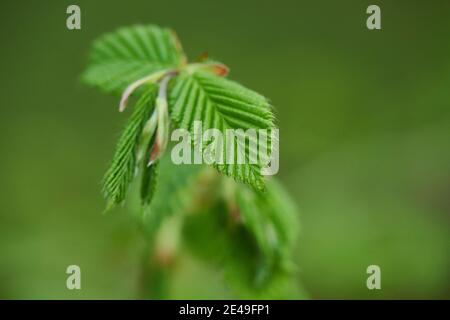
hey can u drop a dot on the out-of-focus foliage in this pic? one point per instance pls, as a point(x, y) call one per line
point(246, 235)
point(266, 219)
point(388, 205)
point(223, 104)
point(364, 128)
point(200, 94)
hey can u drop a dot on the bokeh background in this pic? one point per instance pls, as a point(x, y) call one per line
point(364, 121)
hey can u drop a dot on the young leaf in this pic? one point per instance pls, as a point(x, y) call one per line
point(175, 193)
point(148, 184)
point(131, 53)
point(123, 166)
point(272, 219)
point(222, 104)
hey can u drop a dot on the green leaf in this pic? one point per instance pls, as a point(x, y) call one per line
point(177, 187)
point(122, 57)
point(272, 219)
point(222, 104)
point(123, 166)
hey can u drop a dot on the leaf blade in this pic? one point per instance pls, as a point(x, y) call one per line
point(122, 168)
point(222, 104)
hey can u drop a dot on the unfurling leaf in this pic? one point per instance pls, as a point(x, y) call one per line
point(175, 193)
point(222, 104)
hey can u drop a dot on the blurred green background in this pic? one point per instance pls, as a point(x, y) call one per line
point(364, 121)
